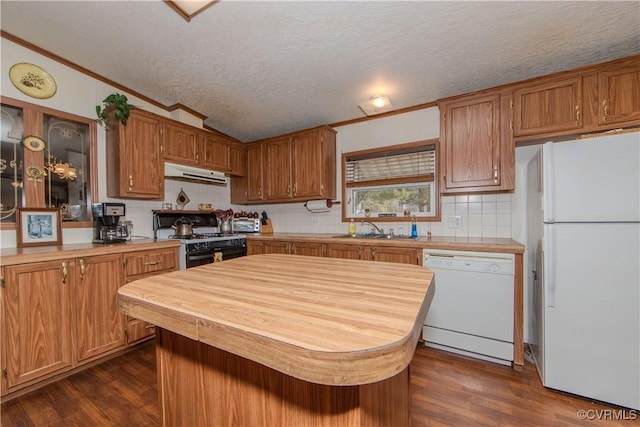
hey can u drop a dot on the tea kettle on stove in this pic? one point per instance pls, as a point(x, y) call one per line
point(183, 227)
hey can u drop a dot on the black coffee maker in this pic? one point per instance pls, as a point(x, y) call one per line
point(106, 227)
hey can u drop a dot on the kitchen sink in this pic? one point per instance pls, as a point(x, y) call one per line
point(372, 236)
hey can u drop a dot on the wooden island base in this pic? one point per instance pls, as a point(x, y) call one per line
point(200, 385)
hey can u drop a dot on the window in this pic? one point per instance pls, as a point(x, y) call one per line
point(392, 182)
point(59, 175)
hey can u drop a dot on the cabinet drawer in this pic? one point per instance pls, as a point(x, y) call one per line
point(145, 262)
point(138, 330)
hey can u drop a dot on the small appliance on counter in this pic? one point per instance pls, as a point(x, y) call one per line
point(106, 223)
point(247, 225)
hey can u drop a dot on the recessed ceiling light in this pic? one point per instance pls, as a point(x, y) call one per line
point(190, 8)
point(376, 105)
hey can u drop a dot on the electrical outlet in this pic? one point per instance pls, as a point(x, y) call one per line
point(454, 221)
point(315, 222)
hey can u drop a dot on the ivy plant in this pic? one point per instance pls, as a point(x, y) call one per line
point(120, 106)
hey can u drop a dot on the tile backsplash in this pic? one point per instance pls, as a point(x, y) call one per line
point(487, 215)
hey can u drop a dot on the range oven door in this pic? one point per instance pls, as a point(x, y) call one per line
point(194, 258)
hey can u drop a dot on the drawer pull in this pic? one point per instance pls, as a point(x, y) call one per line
point(150, 326)
point(152, 262)
point(65, 271)
point(82, 269)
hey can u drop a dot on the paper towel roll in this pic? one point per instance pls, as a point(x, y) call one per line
point(316, 206)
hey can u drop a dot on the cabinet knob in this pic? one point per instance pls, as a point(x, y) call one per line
point(82, 268)
point(495, 174)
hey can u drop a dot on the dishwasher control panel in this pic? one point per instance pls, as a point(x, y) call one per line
point(487, 262)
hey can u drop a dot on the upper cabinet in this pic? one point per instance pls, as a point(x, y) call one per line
point(294, 167)
point(591, 99)
point(215, 151)
point(478, 151)
point(128, 147)
point(548, 106)
point(313, 159)
point(277, 157)
point(619, 95)
point(237, 159)
point(180, 143)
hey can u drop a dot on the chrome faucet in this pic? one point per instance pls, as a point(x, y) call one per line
point(380, 230)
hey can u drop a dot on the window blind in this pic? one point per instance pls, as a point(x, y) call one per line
point(390, 166)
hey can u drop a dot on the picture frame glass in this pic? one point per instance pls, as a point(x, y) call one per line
point(39, 227)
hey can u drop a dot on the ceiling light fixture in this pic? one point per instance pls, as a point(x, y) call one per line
point(190, 8)
point(375, 105)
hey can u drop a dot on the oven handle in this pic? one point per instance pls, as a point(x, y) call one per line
point(199, 257)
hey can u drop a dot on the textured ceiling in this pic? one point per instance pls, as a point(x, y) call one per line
point(257, 69)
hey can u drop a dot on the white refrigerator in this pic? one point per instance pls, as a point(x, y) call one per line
point(583, 210)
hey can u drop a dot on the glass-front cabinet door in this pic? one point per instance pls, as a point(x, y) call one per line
point(47, 160)
point(11, 162)
point(67, 165)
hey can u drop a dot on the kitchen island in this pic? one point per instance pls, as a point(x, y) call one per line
point(284, 340)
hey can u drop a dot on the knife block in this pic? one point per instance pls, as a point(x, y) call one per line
point(266, 227)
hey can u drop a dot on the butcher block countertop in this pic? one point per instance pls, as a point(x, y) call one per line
point(323, 320)
point(482, 244)
point(13, 256)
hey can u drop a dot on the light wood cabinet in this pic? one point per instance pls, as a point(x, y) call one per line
point(478, 150)
point(395, 254)
point(237, 159)
point(277, 168)
point(100, 325)
point(254, 247)
point(138, 265)
point(37, 324)
point(294, 167)
point(590, 99)
point(248, 188)
point(276, 247)
point(548, 106)
point(344, 250)
point(134, 163)
point(215, 152)
point(313, 160)
point(619, 95)
point(180, 144)
point(306, 248)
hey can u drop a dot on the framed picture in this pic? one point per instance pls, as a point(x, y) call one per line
point(39, 227)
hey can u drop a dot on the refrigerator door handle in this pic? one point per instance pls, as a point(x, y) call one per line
point(550, 276)
point(548, 183)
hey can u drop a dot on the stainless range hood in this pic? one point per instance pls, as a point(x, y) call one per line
point(189, 173)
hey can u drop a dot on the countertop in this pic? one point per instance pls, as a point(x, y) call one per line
point(324, 320)
point(429, 242)
point(13, 256)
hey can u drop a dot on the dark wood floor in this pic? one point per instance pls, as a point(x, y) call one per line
point(447, 390)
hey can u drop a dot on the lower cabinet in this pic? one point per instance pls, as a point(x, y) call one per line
point(100, 325)
point(58, 315)
point(138, 265)
point(343, 250)
point(395, 254)
point(306, 248)
point(405, 255)
point(37, 327)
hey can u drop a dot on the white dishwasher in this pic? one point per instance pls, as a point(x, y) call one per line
point(472, 309)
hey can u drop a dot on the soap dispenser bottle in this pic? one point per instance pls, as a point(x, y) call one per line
point(414, 227)
point(352, 228)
